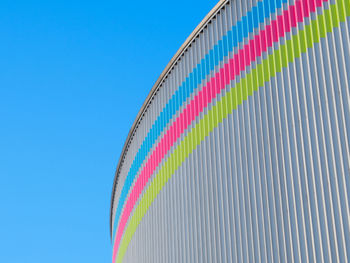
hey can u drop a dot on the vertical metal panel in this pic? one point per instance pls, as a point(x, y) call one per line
point(246, 154)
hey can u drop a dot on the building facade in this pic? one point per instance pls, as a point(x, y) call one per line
point(241, 152)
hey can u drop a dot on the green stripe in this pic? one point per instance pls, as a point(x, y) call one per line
point(275, 62)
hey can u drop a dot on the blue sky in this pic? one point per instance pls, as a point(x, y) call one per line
point(73, 76)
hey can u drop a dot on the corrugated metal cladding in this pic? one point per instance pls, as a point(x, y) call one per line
point(243, 153)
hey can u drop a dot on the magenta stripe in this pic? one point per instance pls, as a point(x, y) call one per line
point(238, 63)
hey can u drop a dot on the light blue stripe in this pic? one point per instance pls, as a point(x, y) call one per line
point(240, 31)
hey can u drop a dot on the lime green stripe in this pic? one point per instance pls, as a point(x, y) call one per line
point(287, 53)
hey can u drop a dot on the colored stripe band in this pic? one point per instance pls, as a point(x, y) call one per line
point(243, 58)
point(251, 20)
point(306, 39)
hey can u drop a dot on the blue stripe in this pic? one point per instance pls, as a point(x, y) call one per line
point(236, 35)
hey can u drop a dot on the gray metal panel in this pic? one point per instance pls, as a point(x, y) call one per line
point(270, 181)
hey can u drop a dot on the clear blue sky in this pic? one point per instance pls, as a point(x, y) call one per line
point(73, 76)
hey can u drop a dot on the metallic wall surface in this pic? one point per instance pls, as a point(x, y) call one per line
point(241, 152)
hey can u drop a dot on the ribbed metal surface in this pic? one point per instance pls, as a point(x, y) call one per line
point(243, 153)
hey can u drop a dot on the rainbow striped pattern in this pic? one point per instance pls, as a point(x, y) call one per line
point(265, 40)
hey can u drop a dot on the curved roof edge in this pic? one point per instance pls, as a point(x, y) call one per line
point(154, 90)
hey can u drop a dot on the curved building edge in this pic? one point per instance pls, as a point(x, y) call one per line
point(154, 90)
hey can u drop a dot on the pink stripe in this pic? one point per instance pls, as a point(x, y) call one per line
point(241, 59)
point(263, 41)
point(306, 9)
point(275, 31)
point(286, 20)
point(209, 94)
point(268, 30)
point(299, 12)
point(293, 16)
point(227, 70)
point(200, 95)
point(247, 56)
point(231, 69)
point(255, 50)
point(281, 28)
